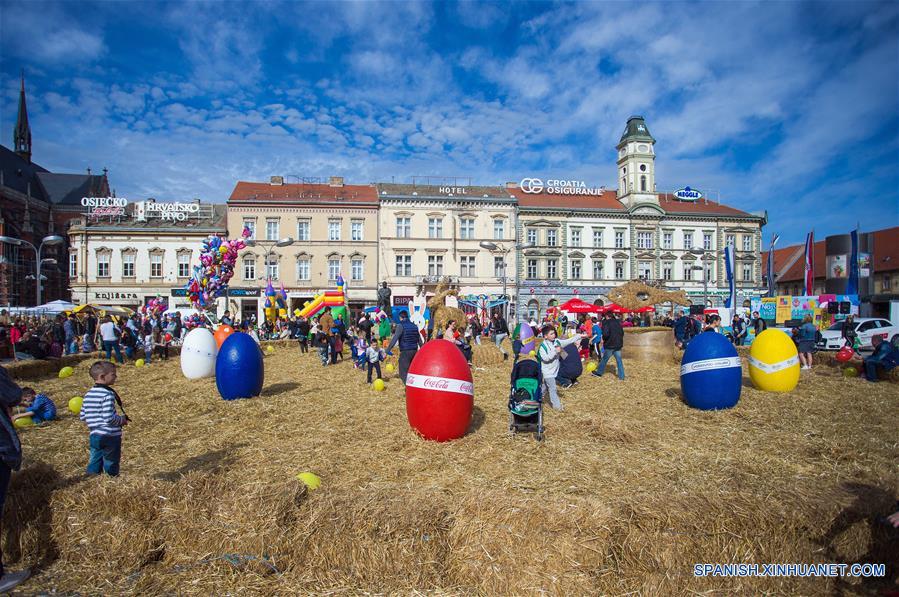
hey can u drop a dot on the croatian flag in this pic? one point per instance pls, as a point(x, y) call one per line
point(810, 263)
point(729, 269)
point(771, 279)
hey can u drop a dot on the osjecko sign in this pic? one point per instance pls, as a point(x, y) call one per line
point(104, 206)
point(554, 186)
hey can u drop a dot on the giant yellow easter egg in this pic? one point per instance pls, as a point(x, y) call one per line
point(774, 362)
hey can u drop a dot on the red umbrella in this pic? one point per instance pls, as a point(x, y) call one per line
point(646, 309)
point(576, 305)
point(615, 308)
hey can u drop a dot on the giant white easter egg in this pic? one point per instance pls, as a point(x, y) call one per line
point(198, 354)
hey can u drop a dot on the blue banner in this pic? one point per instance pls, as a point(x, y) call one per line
point(852, 284)
point(729, 267)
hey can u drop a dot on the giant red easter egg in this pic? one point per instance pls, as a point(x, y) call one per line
point(222, 333)
point(439, 392)
point(845, 354)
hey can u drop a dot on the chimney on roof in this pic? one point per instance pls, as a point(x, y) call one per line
point(276, 180)
point(511, 185)
point(335, 181)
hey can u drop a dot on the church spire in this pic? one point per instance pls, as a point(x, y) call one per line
point(22, 132)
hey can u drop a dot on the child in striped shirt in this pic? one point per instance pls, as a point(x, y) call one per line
point(98, 411)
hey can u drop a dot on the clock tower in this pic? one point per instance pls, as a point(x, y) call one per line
point(636, 164)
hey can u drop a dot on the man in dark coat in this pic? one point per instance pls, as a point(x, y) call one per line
point(10, 460)
point(613, 342)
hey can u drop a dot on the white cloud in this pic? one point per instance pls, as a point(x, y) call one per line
point(40, 32)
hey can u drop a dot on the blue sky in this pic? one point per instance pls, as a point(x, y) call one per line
point(788, 107)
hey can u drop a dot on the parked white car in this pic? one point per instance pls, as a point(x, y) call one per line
point(866, 328)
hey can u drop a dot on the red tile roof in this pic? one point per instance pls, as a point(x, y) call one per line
point(885, 257)
point(303, 193)
point(608, 200)
point(675, 206)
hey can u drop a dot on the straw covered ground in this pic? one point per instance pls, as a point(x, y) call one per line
point(630, 489)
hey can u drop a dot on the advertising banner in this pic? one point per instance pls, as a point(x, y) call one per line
point(784, 308)
point(837, 266)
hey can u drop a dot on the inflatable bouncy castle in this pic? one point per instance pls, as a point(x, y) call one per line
point(330, 298)
point(275, 302)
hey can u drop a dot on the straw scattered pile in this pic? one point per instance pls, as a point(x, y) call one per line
point(629, 490)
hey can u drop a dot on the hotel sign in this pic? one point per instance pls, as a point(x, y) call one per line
point(688, 194)
point(555, 186)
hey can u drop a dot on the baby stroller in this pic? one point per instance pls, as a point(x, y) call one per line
point(525, 404)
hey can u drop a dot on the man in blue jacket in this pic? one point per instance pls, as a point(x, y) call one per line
point(882, 357)
point(409, 339)
point(10, 460)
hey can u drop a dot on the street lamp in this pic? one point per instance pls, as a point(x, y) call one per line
point(269, 246)
point(493, 247)
point(50, 240)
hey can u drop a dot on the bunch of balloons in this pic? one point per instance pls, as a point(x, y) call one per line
point(194, 320)
point(154, 306)
point(275, 302)
point(217, 260)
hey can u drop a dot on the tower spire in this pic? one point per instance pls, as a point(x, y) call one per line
point(22, 132)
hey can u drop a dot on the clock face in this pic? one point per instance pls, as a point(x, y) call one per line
point(643, 148)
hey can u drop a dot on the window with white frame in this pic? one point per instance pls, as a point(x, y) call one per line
point(598, 273)
point(404, 265)
point(747, 272)
point(466, 264)
point(730, 240)
point(887, 282)
point(302, 229)
point(667, 240)
point(272, 229)
point(357, 268)
point(250, 224)
point(644, 240)
point(645, 269)
point(184, 265)
point(435, 265)
point(667, 270)
point(619, 270)
point(688, 272)
point(435, 227)
point(575, 237)
point(156, 265)
point(619, 239)
point(747, 242)
point(707, 241)
point(532, 236)
point(597, 238)
point(532, 269)
point(552, 269)
point(576, 269)
point(333, 269)
point(73, 265)
point(498, 266)
point(466, 228)
point(688, 239)
point(303, 269)
point(709, 272)
point(403, 227)
point(356, 229)
point(551, 238)
point(102, 265)
point(499, 229)
point(128, 265)
point(272, 268)
point(334, 230)
point(249, 268)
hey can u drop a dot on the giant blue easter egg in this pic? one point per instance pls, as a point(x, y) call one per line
point(710, 374)
point(239, 371)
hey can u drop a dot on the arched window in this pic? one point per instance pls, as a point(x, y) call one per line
point(642, 183)
point(533, 309)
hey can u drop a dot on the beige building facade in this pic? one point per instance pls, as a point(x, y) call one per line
point(334, 231)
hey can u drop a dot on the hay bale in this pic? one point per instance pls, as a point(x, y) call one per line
point(649, 346)
point(486, 354)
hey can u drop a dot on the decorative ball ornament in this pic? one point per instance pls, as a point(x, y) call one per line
point(845, 354)
point(23, 422)
point(239, 370)
point(65, 372)
point(711, 375)
point(75, 405)
point(774, 362)
point(439, 392)
point(222, 333)
point(378, 385)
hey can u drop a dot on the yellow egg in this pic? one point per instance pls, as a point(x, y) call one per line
point(533, 353)
point(774, 362)
point(270, 348)
point(591, 366)
point(75, 404)
point(23, 422)
point(311, 480)
point(65, 372)
point(378, 385)
point(139, 363)
point(389, 367)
